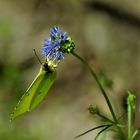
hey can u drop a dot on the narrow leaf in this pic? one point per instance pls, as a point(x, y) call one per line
point(134, 134)
point(104, 129)
point(100, 126)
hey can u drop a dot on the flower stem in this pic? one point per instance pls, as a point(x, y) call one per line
point(98, 83)
point(105, 118)
point(131, 114)
point(101, 88)
point(129, 122)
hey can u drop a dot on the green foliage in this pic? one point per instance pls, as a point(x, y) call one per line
point(106, 126)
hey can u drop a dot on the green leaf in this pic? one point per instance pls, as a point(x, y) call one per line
point(100, 126)
point(121, 125)
point(134, 134)
point(100, 132)
point(35, 93)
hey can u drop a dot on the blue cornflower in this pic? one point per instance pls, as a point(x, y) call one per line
point(55, 47)
point(51, 48)
point(57, 34)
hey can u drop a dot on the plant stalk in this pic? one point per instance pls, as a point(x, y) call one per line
point(101, 88)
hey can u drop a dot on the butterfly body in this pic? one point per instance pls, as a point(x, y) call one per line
point(45, 67)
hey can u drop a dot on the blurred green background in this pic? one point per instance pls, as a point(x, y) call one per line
point(106, 34)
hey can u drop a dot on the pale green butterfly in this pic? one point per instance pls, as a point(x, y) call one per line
point(36, 92)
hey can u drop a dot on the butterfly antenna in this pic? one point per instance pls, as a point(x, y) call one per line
point(37, 56)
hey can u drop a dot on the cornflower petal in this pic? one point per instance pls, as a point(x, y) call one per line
point(55, 47)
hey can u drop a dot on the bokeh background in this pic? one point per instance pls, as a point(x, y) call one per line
point(106, 34)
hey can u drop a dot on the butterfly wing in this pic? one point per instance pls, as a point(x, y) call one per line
point(43, 89)
point(25, 102)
